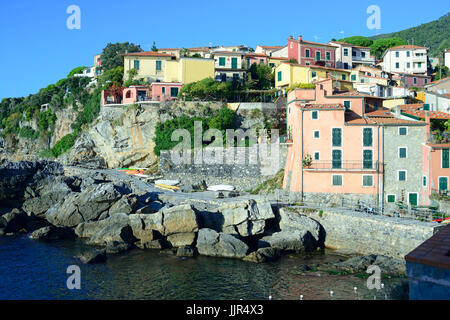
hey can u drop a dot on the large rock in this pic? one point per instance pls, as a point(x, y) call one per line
point(93, 256)
point(361, 263)
point(294, 221)
point(13, 221)
point(117, 229)
point(181, 239)
point(146, 227)
point(126, 204)
point(179, 219)
point(65, 214)
point(53, 233)
point(97, 199)
point(292, 240)
point(212, 243)
point(246, 218)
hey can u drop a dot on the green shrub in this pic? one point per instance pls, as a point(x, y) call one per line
point(63, 145)
point(29, 133)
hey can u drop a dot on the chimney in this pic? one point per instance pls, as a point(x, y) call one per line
point(300, 38)
point(291, 37)
point(397, 111)
point(428, 127)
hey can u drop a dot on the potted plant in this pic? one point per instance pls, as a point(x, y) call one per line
point(307, 161)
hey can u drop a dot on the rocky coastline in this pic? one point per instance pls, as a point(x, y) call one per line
point(115, 213)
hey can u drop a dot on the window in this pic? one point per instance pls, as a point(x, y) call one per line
point(317, 155)
point(375, 104)
point(328, 55)
point(408, 65)
point(313, 74)
point(345, 65)
point(424, 181)
point(415, 80)
point(336, 137)
point(317, 55)
point(407, 53)
point(367, 137)
point(158, 65)
point(391, 198)
point(163, 90)
point(419, 65)
point(347, 104)
point(345, 52)
point(174, 92)
point(402, 131)
point(316, 134)
point(279, 76)
point(261, 60)
point(272, 65)
point(343, 77)
point(367, 180)
point(315, 115)
point(235, 76)
point(397, 65)
point(402, 152)
point(445, 158)
point(136, 64)
point(443, 183)
point(337, 180)
point(353, 77)
point(222, 61)
point(353, 53)
point(397, 54)
point(425, 81)
point(307, 53)
point(401, 175)
point(367, 159)
point(337, 159)
point(234, 63)
point(363, 54)
point(413, 198)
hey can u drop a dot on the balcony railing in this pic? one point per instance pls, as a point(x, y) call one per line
point(344, 165)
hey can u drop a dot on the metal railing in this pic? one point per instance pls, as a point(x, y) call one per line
point(326, 165)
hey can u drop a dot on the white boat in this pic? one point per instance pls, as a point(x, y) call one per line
point(167, 182)
point(221, 187)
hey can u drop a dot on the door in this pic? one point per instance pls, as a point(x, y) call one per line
point(412, 199)
point(443, 183)
point(233, 63)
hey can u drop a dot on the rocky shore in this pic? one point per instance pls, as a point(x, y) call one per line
point(115, 213)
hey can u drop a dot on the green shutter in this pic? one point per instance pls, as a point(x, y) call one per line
point(317, 55)
point(443, 183)
point(337, 159)
point(136, 64)
point(445, 158)
point(337, 180)
point(279, 75)
point(347, 104)
point(402, 152)
point(353, 77)
point(173, 92)
point(424, 181)
point(413, 199)
point(307, 53)
point(402, 131)
point(158, 65)
point(222, 61)
point(343, 77)
point(367, 159)
point(367, 181)
point(337, 137)
point(426, 107)
point(391, 198)
point(234, 63)
point(401, 175)
point(314, 115)
point(328, 56)
point(367, 137)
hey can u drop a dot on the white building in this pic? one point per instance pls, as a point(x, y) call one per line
point(447, 58)
point(349, 56)
point(228, 65)
point(280, 53)
point(267, 50)
point(408, 59)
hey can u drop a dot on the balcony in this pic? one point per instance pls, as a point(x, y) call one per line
point(346, 165)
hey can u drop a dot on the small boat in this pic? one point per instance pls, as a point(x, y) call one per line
point(221, 187)
point(445, 220)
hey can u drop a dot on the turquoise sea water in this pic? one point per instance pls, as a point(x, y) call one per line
point(37, 270)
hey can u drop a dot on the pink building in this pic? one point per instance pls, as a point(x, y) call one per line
point(251, 58)
point(311, 53)
point(413, 80)
point(163, 91)
point(135, 94)
point(337, 142)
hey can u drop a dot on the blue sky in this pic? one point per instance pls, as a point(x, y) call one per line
point(37, 49)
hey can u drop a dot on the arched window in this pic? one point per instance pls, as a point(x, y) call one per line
point(128, 94)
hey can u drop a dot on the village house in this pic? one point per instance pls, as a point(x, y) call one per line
point(349, 56)
point(287, 74)
point(258, 58)
point(412, 80)
point(311, 53)
point(408, 59)
point(229, 65)
point(447, 58)
point(441, 86)
point(267, 50)
point(98, 65)
point(338, 147)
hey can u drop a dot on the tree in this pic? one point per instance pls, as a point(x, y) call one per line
point(358, 41)
point(154, 49)
point(441, 72)
point(76, 70)
point(112, 77)
point(263, 76)
point(111, 54)
point(380, 45)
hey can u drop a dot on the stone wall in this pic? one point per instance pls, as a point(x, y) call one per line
point(366, 234)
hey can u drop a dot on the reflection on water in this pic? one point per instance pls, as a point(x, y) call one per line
point(37, 270)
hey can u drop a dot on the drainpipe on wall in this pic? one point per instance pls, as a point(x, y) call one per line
point(382, 177)
point(378, 168)
point(301, 160)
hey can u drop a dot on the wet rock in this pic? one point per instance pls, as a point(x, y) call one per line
point(263, 255)
point(292, 240)
point(185, 251)
point(93, 256)
point(116, 228)
point(181, 239)
point(290, 220)
point(179, 219)
point(117, 247)
point(153, 244)
point(53, 233)
point(13, 221)
point(212, 243)
point(361, 263)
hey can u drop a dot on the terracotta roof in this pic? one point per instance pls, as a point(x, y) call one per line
point(323, 106)
point(169, 49)
point(437, 81)
point(349, 44)
point(442, 145)
point(313, 43)
point(377, 118)
point(148, 54)
point(229, 52)
point(354, 94)
point(434, 251)
point(406, 46)
point(272, 47)
point(252, 54)
point(416, 110)
point(279, 58)
point(410, 74)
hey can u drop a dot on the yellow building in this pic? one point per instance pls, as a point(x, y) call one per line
point(276, 61)
point(286, 74)
point(154, 66)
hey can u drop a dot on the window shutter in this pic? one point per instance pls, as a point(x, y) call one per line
point(367, 159)
point(445, 158)
point(367, 137)
point(443, 182)
point(337, 159)
point(337, 137)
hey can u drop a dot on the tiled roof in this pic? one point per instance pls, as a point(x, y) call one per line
point(416, 110)
point(442, 145)
point(313, 43)
point(434, 251)
point(169, 49)
point(437, 81)
point(318, 67)
point(406, 46)
point(252, 54)
point(279, 58)
point(272, 47)
point(354, 94)
point(323, 106)
point(377, 117)
point(349, 44)
point(148, 54)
